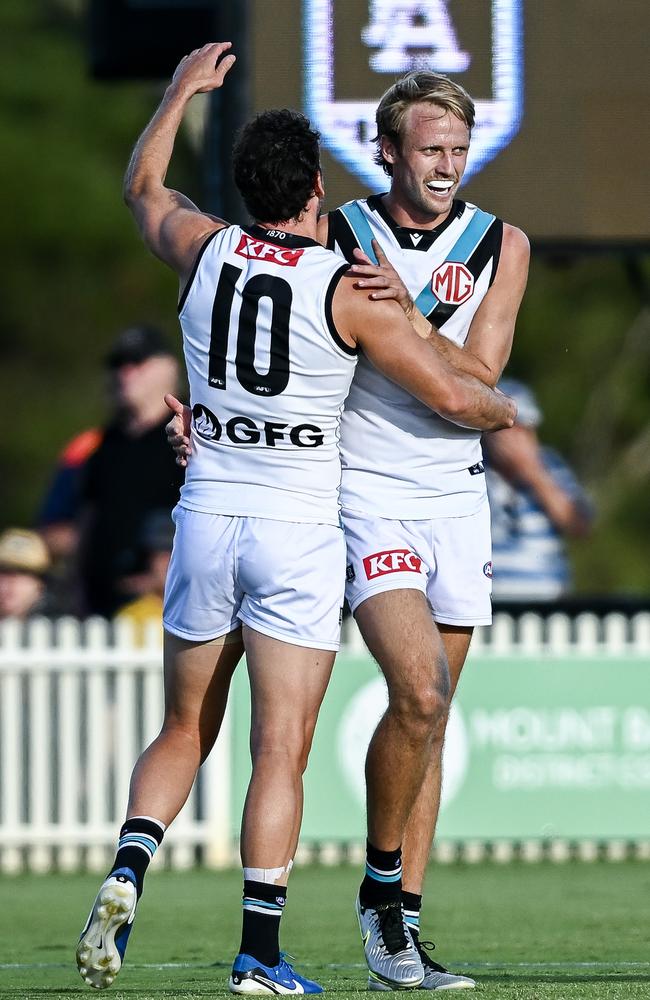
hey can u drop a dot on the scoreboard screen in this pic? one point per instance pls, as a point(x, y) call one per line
point(561, 145)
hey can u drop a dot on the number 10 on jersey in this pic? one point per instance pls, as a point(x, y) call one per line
point(275, 380)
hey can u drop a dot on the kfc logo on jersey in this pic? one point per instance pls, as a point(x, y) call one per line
point(259, 250)
point(452, 283)
point(393, 561)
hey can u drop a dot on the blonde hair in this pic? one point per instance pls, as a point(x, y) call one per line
point(419, 87)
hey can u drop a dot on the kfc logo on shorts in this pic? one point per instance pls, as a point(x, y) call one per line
point(452, 283)
point(259, 250)
point(487, 570)
point(393, 561)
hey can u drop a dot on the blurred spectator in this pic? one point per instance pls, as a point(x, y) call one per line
point(60, 507)
point(24, 562)
point(108, 480)
point(131, 473)
point(58, 521)
point(536, 501)
point(156, 543)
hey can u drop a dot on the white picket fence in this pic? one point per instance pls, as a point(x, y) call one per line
point(79, 700)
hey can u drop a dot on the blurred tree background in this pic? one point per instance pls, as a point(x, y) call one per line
point(75, 272)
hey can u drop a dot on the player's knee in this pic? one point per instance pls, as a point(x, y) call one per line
point(286, 750)
point(419, 693)
point(429, 707)
point(439, 727)
point(422, 706)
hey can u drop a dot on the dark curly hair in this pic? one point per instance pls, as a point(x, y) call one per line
point(276, 158)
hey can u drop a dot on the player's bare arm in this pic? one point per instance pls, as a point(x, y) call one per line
point(171, 225)
point(493, 327)
point(385, 283)
point(489, 342)
point(381, 329)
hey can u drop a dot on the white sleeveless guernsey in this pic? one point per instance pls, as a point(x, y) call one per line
point(401, 460)
point(268, 375)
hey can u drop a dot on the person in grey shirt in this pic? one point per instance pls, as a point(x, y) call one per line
point(536, 503)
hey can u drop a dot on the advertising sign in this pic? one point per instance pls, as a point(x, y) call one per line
point(537, 747)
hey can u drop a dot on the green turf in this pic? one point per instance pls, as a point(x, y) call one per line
point(525, 932)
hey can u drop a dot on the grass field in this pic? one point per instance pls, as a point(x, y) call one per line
point(524, 932)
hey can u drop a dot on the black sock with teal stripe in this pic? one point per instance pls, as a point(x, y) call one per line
point(412, 904)
point(140, 838)
point(383, 880)
point(263, 904)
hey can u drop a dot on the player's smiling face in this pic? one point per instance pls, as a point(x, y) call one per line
point(428, 168)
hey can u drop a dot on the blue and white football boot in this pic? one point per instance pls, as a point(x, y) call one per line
point(250, 976)
point(102, 944)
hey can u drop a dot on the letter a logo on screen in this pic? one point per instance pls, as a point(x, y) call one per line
point(399, 36)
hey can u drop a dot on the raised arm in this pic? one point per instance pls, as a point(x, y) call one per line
point(382, 331)
point(171, 226)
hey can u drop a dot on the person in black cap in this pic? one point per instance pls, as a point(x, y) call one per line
point(137, 344)
point(100, 495)
point(130, 474)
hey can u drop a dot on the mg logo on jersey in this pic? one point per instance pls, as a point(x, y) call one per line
point(392, 561)
point(395, 36)
point(452, 283)
point(259, 250)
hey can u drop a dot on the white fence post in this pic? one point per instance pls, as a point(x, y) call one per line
point(97, 751)
point(40, 756)
point(69, 734)
point(11, 730)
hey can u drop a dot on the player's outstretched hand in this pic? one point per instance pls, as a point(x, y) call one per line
point(382, 278)
point(204, 69)
point(178, 429)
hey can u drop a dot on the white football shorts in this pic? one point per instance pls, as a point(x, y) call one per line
point(283, 579)
point(447, 558)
